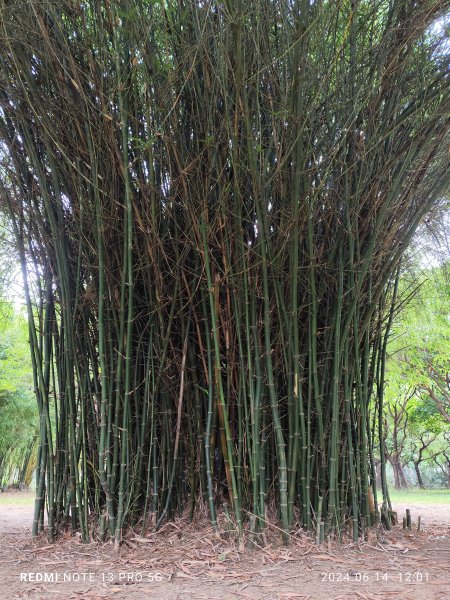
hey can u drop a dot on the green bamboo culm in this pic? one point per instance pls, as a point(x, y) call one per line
point(210, 202)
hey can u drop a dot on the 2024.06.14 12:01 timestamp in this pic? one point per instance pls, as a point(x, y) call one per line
point(378, 576)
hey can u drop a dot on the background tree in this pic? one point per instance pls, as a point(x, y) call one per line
point(442, 460)
point(418, 365)
point(395, 435)
point(18, 423)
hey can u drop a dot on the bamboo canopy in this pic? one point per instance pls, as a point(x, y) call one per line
point(210, 201)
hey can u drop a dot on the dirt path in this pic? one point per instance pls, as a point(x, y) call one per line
point(432, 514)
point(193, 564)
point(16, 517)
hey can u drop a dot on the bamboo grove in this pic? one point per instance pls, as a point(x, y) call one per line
point(210, 202)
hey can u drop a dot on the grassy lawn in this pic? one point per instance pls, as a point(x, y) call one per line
point(412, 496)
point(421, 496)
point(16, 498)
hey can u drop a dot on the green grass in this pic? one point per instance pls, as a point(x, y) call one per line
point(420, 496)
point(16, 498)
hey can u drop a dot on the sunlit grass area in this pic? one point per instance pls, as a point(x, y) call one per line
point(421, 496)
point(412, 495)
point(16, 498)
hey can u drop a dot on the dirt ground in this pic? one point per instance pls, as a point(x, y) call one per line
point(15, 517)
point(191, 563)
point(432, 514)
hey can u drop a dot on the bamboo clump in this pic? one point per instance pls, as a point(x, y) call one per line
point(210, 202)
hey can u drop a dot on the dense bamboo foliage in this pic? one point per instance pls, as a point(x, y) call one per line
point(210, 201)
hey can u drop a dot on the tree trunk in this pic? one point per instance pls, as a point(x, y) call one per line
point(400, 482)
point(394, 464)
point(419, 475)
point(402, 477)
